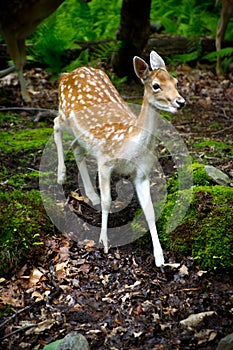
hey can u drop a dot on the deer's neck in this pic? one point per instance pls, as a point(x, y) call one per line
point(146, 124)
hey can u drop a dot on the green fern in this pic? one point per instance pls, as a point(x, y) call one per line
point(72, 22)
point(189, 18)
point(82, 60)
point(223, 53)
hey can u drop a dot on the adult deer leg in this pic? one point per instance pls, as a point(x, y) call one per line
point(226, 14)
point(17, 50)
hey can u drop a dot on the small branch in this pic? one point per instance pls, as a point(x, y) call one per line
point(18, 330)
point(29, 109)
point(222, 130)
point(2, 325)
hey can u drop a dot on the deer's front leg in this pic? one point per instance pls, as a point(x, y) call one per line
point(142, 186)
point(105, 192)
point(61, 171)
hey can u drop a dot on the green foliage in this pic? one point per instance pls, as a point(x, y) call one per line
point(101, 54)
point(72, 22)
point(76, 21)
point(188, 18)
point(200, 176)
point(192, 19)
point(187, 57)
point(225, 55)
point(23, 226)
point(6, 118)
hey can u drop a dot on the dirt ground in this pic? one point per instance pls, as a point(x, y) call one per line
point(121, 300)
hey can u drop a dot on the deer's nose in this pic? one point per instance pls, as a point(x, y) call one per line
point(180, 103)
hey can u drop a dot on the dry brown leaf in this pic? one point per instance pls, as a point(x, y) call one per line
point(60, 269)
point(79, 198)
point(35, 276)
point(44, 325)
point(85, 268)
point(64, 253)
point(37, 295)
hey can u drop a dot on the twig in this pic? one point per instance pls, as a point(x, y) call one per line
point(31, 169)
point(222, 130)
point(3, 109)
point(19, 330)
point(13, 316)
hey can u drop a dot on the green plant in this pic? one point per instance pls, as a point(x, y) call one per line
point(75, 21)
point(225, 54)
point(191, 19)
point(186, 18)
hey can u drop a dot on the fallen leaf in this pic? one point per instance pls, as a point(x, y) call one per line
point(35, 276)
point(183, 271)
point(79, 198)
point(37, 295)
point(44, 325)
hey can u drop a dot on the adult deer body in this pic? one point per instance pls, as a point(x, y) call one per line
point(18, 19)
point(226, 14)
point(104, 126)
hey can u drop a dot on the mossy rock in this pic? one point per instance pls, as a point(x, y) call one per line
point(199, 178)
point(23, 227)
point(201, 226)
point(206, 231)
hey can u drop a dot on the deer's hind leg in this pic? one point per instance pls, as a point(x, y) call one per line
point(61, 171)
point(79, 154)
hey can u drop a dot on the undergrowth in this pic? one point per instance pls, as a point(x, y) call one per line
point(76, 21)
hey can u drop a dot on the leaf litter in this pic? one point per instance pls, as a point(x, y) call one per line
point(118, 301)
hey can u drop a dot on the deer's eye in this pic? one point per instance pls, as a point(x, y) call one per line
point(156, 87)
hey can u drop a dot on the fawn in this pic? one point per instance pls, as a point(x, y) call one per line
point(104, 126)
point(226, 14)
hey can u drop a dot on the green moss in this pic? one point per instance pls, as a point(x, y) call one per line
point(206, 232)
point(216, 147)
point(21, 181)
point(7, 118)
point(24, 139)
point(199, 178)
point(23, 226)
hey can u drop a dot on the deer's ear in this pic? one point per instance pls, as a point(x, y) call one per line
point(141, 68)
point(156, 61)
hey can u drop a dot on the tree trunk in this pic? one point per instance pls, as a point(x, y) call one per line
point(133, 34)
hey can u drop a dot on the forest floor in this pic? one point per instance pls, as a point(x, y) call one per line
point(119, 300)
